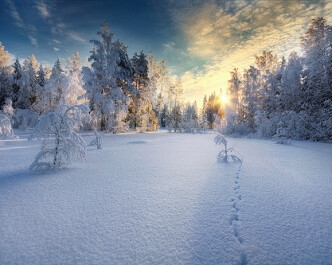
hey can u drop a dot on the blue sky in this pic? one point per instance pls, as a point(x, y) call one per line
point(201, 40)
point(51, 29)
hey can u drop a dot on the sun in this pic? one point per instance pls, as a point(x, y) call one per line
point(224, 99)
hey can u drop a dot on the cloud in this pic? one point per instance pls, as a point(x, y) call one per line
point(229, 35)
point(33, 40)
point(75, 36)
point(43, 9)
point(26, 29)
point(58, 28)
point(169, 45)
point(56, 41)
point(15, 15)
point(61, 29)
point(56, 49)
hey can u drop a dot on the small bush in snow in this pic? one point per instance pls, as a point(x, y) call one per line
point(61, 144)
point(7, 109)
point(281, 135)
point(98, 140)
point(6, 130)
point(224, 155)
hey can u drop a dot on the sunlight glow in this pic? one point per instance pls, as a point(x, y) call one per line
point(224, 98)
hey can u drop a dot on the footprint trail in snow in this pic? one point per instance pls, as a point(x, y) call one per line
point(234, 220)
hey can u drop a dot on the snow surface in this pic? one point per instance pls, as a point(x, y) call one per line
point(162, 198)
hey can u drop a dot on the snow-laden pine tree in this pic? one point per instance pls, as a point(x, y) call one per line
point(61, 144)
point(203, 117)
point(28, 94)
point(108, 83)
point(174, 99)
point(251, 90)
point(174, 118)
point(16, 82)
point(54, 89)
point(40, 88)
point(164, 117)
point(234, 114)
point(291, 84)
point(267, 65)
point(189, 119)
point(74, 90)
point(141, 114)
point(5, 78)
point(317, 93)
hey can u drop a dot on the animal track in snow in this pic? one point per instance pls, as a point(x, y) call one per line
point(234, 219)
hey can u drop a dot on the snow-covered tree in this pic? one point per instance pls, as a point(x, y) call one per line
point(175, 116)
point(47, 71)
point(28, 94)
point(109, 83)
point(40, 88)
point(6, 130)
point(54, 89)
point(74, 90)
point(141, 114)
point(164, 117)
point(8, 110)
point(17, 81)
point(291, 84)
point(154, 75)
point(213, 108)
point(251, 84)
point(189, 119)
point(203, 119)
point(234, 88)
point(317, 97)
point(61, 144)
point(174, 98)
point(5, 71)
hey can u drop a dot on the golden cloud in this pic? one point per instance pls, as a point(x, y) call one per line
point(232, 39)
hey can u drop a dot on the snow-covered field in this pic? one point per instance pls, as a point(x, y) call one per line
point(162, 198)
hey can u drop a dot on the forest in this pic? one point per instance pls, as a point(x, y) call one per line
point(275, 97)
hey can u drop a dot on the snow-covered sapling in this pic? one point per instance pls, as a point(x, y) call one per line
point(61, 144)
point(98, 140)
point(224, 155)
point(281, 136)
point(6, 130)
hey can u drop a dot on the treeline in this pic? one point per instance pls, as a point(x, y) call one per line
point(274, 97)
point(286, 98)
point(122, 93)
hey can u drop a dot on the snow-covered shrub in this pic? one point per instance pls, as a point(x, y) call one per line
point(224, 155)
point(61, 144)
point(25, 119)
point(98, 139)
point(6, 130)
point(7, 108)
point(282, 134)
